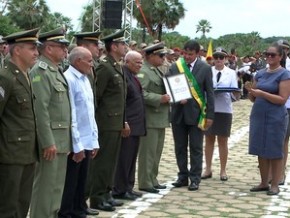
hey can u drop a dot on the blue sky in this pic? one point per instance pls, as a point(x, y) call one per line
point(268, 17)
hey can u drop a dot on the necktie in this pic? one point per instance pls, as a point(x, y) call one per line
point(218, 76)
point(189, 66)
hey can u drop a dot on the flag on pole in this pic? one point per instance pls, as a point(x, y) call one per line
point(209, 51)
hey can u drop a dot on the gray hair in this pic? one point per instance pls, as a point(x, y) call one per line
point(131, 55)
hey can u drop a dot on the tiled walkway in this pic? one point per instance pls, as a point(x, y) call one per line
point(214, 198)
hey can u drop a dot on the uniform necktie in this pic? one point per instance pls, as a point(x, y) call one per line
point(218, 76)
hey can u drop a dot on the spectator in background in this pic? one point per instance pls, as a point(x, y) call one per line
point(177, 52)
point(245, 74)
point(3, 53)
point(133, 45)
point(260, 62)
point(269, 119)
point(202, 53)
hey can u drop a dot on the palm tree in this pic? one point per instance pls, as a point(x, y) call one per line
point(160, 14)
point(28, 14)
point(203, 26)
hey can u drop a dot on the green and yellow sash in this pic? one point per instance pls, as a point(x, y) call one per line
point(195, 91)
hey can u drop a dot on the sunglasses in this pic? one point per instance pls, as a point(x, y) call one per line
point(161, 55)
point(221, 57)
point(270, 54)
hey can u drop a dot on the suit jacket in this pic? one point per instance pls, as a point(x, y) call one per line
point(110, 95)
point(189, 112)
point(157, 114)
point(135, 109)
point(17, 118)
point(52, 106)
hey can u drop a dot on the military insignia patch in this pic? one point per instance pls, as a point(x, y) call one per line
point(140, 75)
point(36, 79)
point(2, 92)
point(42, 65)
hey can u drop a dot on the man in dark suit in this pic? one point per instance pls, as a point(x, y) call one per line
point(110, 116)
point(185, 117)
point(135, 116)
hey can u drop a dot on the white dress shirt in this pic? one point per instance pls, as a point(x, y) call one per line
point(84, 126)
point(228, 79)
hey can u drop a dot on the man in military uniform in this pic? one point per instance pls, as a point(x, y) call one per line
point(110, 95)
point(53, 114)
point(157, 118)
point(18, 149)
point(2, 51)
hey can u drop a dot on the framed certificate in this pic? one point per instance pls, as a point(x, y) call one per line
point(177, 87)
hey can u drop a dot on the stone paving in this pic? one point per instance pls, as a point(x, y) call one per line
point(214, 198)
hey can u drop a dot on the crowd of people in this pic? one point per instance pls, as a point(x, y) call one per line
point(74, 119)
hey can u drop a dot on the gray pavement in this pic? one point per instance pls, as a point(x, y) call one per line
point(214, 198)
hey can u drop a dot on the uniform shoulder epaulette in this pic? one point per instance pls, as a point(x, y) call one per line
point(42, 65)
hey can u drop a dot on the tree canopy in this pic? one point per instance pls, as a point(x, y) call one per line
point(18, 15)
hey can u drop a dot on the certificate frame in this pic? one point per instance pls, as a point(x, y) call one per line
point(177, 88)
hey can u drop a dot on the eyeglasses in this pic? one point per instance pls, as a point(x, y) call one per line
point(221, 57)
point(270, 54)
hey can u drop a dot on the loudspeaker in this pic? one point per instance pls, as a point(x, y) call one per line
point(112, 14)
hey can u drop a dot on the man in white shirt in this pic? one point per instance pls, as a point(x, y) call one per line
point(84, 132)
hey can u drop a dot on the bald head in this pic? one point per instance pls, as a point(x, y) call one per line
point(81, 59)
point(133, 60)
point(76, 53)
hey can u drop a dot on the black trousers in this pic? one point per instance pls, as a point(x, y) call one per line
point(184, 136)
point(126, 166)
point(73, 197)
point(15, 189)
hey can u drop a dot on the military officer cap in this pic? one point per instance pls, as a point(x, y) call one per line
point(220, 51)
point(132, 43)
point(143, 45)
point(115, 37)
point(158, 48)
point(284, 43)
point(88, 36)
point(23, 36)
point(56, 35)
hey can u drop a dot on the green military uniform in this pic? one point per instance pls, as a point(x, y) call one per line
point(18, 148)
point(110, 95)
point(53, 114)
point(157, 119)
